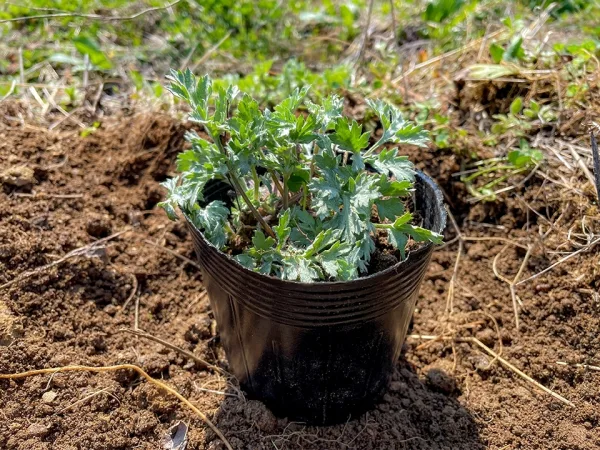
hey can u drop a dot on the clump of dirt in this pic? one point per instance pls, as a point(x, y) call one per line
point(443, 394)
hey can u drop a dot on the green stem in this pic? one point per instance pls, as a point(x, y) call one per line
point(386, 226)
point(285, 198)
point(256, 183)
point(503, 178)
point(240, 190)
point(305, 197)
point(484, 171)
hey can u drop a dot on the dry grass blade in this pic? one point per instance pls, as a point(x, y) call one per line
point(86, 250)
point(596, 157)
point(90, 16)
point(583, 366)
point(452, 285)
point(501, 360)
point(559, 262)
point(512, 283)
point(157, 383)
point(190, 355)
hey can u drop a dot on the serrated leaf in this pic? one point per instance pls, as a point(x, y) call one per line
point(283, 230)
point(399, 240)
point(245, 260)
point(348, 136)
point(261, 242)
point(394, 188)
point(388, 161)
point(395, 128)
point(389, 208)
point(211, 220)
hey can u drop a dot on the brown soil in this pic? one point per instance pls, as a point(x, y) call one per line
point(61, 192)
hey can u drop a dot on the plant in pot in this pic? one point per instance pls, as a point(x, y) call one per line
point(313, 238)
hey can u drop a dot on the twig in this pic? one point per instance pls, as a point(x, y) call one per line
point(494, 238)
point(394, 27)
point(584, 366)
point(512, 283)
point(133, 291)
point(596, 163)
point(21, 67)
point(174, 253)
point(366, 36)
point(203, 364)
point(583, 166)
point(441, 57)
point(502, 361)
point(160, 384)
point(136, 320)
point(562, 260)
point(83, 400)
point(210, 51)
point(82, 251)
point(89, 16)
point(452, 285)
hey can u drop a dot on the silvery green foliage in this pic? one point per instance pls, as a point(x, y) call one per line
point(320, 161)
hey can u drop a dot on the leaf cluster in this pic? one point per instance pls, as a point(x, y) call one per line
point(311, 187)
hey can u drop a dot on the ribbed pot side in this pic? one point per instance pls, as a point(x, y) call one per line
point(317, 352)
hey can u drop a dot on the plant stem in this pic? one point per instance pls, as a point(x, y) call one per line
point(487, 170)
point(304, 197)
point(286, 199)
point(386, 226)
point(276, 182)
point(240, 191)
point(256, 183)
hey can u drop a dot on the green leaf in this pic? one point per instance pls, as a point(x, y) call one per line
point(246, 260)
point(388, 161)
point(395, 128)
point(490, 71)
point(515, 50)
point(394, 188)
point(283, 230)
point(348, 136)
point(496, 52)
point(261, 242)
point(398, 239)
point(87, 46)
point(211, 220)
point(516, 106)
point(524, 158)
point(298, 179)
point(389, 208)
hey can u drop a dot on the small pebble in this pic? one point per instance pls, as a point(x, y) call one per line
point(48, 397)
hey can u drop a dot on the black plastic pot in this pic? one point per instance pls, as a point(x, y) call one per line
point(319, 352)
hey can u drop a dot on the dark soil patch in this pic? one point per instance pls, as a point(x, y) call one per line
point(88, 188)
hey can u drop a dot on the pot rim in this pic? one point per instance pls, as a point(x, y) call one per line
point(427, 180)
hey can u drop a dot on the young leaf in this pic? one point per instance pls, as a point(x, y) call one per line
point(261, 242)
point(211, 220)
point(516, 106)
point(388, 161)
point(348, 136)
point(496, 52)
point(283, 230)
point(389, 208)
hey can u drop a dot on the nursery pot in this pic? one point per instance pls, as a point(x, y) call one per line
point(316, 352)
